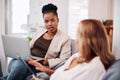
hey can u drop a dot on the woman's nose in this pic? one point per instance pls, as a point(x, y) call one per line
point(49, 23)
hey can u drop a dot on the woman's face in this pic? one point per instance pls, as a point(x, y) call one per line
point(51, 22)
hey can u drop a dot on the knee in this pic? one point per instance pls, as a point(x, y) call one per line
point(43, 75)
point(17, 65)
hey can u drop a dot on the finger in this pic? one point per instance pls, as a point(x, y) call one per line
point(37, 68)
point(34, 63)
point(29, 59)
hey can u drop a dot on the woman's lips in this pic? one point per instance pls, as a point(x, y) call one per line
point(51, 28)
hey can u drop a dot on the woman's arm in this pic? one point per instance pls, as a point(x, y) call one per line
point(64, 53)
point(40, 67)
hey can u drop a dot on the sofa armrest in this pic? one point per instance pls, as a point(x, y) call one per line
point(113, 73)
point(73, 49)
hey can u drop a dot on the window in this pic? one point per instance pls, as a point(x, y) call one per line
point(22, 17)
point(18, 17)
point(78, 10)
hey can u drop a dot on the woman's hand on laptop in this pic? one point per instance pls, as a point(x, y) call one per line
point(37, 65)
point(40, 67)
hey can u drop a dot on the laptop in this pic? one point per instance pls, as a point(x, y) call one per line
point(18, 48)
point(15, 45)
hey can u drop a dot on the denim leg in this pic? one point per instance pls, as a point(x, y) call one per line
point(43, 75)
point(40, 75)
point(17, 70)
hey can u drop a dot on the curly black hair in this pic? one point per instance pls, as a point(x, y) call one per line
point(49, 8)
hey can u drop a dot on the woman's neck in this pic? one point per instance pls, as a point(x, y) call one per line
point(49, 35)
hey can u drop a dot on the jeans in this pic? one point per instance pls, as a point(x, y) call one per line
point(41, 75)
point(17, 70)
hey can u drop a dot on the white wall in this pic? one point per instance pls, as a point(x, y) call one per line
point(101, 9)
point(36, 17)
point(2, 31)
point(116, 29)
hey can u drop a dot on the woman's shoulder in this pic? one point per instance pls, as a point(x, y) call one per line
point(96, 63)
point(75, 55)
point(63, 37)
point(72, 57)
point(96, 60)
point(63, 34)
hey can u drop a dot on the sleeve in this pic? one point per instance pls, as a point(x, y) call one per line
point(65, 53)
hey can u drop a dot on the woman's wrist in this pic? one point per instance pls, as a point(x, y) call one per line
point(45, 62)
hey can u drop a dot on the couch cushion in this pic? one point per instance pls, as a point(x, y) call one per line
point(73, 50)
point(113, 73)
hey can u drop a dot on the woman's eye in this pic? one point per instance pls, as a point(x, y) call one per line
point(52, 20)
point(46, 21)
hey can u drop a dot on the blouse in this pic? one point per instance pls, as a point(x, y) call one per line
point(94, 70)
